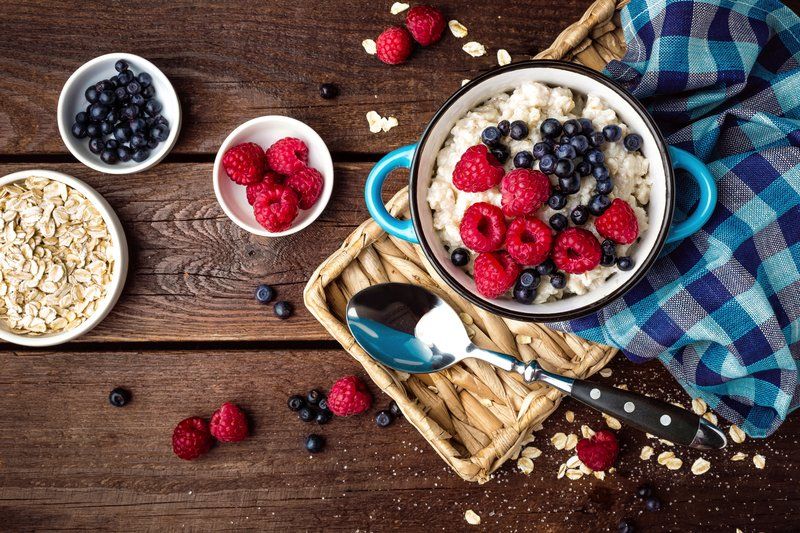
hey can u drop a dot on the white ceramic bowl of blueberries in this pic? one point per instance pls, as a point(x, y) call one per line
point(119, 114)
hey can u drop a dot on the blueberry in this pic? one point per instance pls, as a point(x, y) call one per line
point(564, 168)
point(586, 126)
point(119, 397)
point(644, 491)
point(122, 134)
point(566, 151)
point(153, 107)
point(528, 278)
point(624, 263)
point(551, 128)
point(500, 152)
point(523, 159)
point(106, 128)
point(505, 127)
point(98, 112)
point(557, 201)
point(144, 79)
point(565, 139)
point(459, 257)
point(579, 215)
point(152, 143)
point(138, 100)
point(96, 145)
point(107, 98)
point(383, 418)
point(125, 77)
point(138, 141)
point(283, 310)
point(149, 92)
point(580, 143)
point(598, 204)
point(264, 293)
point(612, 133)
point(519, 130)
point(604, 187)
point(137, 125)
point(491, 136)
point(609, 247)
point(607, 260)
point(133, 87)
point(109, 157)
point(571, 184)
point(124, 154)
point(600, 172)
point(558, 280)
point(120, 94)
point(545, 267)
point(625, 527)
point(130, 112)
point(159, 119)
point(323, 417)
point(306, 414)
point(652, 504)
point(632, 142)
point(82, 118)
point(296, 402)
point(103, 85)
point(93, 130)
point(572, 127)
point(141, 154)
point(78, 130)
point(121, 65)
point(92, 94)
point(584, 168)
point(314, 396)
point(547, 163)
point(540, 149)
point(315, 443)
point(595, 157)
point(596, 139)
point(159, 132)
point(395, 409)
point(112, 144)
point(558, 222)
point(524, 295)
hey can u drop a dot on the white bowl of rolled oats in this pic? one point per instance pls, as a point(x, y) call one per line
point(63, 258)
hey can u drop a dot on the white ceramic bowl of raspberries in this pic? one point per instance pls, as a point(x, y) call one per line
point(273, 176)
point(139, 101)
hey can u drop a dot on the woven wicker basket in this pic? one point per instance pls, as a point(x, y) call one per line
point(475, 416)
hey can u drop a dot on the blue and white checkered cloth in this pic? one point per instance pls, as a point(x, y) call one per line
point(721, 309)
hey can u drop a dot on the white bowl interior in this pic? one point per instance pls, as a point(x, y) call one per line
point(265, 131)
point(507, 81)
point(114, 289)
point(72, 101)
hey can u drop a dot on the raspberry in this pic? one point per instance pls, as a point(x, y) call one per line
point(524, 191)
point(426, 24)
point(307, 183)
point(483, 227)
point(287, 156)
point(600, 451)
point(529, 240)
point(495, 273)
point(576, 250)
point(254, 189)
point(191, 438)
point(349, 396)
point(276, 207)
point(394, 45)
point(228, 423)
point(477, 170)
point(245, 163)
point(618, 223)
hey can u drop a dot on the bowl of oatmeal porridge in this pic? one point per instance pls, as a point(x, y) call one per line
point(542, 191)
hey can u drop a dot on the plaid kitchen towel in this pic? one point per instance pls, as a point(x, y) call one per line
point(721, 309)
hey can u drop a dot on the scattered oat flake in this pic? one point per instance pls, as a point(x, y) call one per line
point(559, 440)
point(389, 123)
point(474, 48)
point(674, 463)
point(739, 530)
point(531, 452)
point(700, 466)
point(666, 442)
point(739, 456)
point(377, 123)
point(599, 474)
point(646, 453)
point(503, 57)
point(572, 441)
point(369, 46)
point(613, 423)
point(561, 471)
point(525, 465)
point(573, 462)
point(570, 416)
point(737, 435)
point(472, 517)
point(606, 372)
point(398, 7)
point(457, 29)
point(587, 432)
point(574, 473)
point(760, 461)
point(711, 417)
point(527, 440)
point(663, 457)
point(699, 406)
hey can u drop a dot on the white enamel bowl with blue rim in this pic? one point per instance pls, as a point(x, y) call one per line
point(420, 158)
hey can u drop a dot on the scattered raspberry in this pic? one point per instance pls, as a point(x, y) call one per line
point(254, 189)
point(307, 183)
point(478, 170)
point(576, 251)
point(426, 24)
point(191, 438)
point(600, 451)
point(245, 163)
point(349, 396)
point(529, 240)
point(287, 156)
point(618, 223)
point(483, 227)
point(524, 191)
point(228, 423)
point(276, 207)
point(495, 273)
point(394, 45)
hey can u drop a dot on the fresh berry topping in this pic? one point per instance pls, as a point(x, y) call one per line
point(612, 132)
point(523, 159)
point(254, 189)
point(383, 419)
point(540, 149)
point(315, 443)
point(349, 396)
point(558, 222)
point(618, 223)
point(524, 191)
point(576, 250)
point(566, 151)
point(314, 396)
point(500, 152)
point(564, 168)
point(287, 156)
point(545, 267)
point(584, 168)
point(191, 438)
point(483, 227)
point(625, 526)
point(604, 187)
point(307, 183)
point(328, 91)
point(529, 240)
point(244, 163)
point(504, 126)
point(306, 414)
point(547, 163)
point(632, 142)
point(600, 451)
point(276, 208)
point(495, 273)
point(598, 204)
point(519, 130)
point(393, 45)
point(625, 263)
point(477, 170)
point(557, 201)
point(491, 136)
point(119, 397)
point(580, 143)
point(323, 417)
point(525, 288)
point(229, 424)
point(282, 310)
point(296, 402)
point(600, 172)
point(572, 127)
point(264, 294)
point(551, 128)
point(579, 215)
point(395, 409)
point(426, 24)
point(595, 157)
point(459, 257)
point(558, 280)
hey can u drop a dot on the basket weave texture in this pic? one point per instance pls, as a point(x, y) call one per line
point(475, 416)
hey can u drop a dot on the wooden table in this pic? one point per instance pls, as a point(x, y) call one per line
point(187, 334)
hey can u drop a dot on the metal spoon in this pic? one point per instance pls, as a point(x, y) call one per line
point(410, 329)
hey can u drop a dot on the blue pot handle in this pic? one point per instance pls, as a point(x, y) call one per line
point(708, 194)
point(403, 229)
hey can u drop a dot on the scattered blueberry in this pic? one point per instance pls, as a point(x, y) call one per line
point(518, 130)
point(596, 139)
point(565, 139)
point(586, 126)
point(607, 260)
point(283, 310)
point(558, 280)
point(315, 443)
point(558, 222)
point(545, 267)
point(103, 85)
point(383, 418)
point(323, 417)
point(625, 527)
point(547, 163)
point(624, 263)
point(540, 149)
point(328, 91)
point(121, 65)
point(600, 172)
point(78, 131)
point(563, 168)
point(149, 92)
point(609, 247)
point(138, 125)
point(120, 94)
point(579, 215)
point(505, 127)
point(652, 504)
point(491, 136)
point(306, 414)
point(108, 157)
point(557, 201)
point(644, 491)
point(152, 143)
point(612, 133)
point(459, 257)
point(595, 157)
point(529, 278)
point(584, 168)
point(313, 397)
point(130, 111)
point(523, 159)
point(138, 100)
point(598, 204)
point(604, 187)
point(322, 404)
point(500, 151)
point(119, 397)
point(580, 143)
point(551, 128)
point(395, 409)
point(296, 402)
point(632, 142)
point(570, 184)
point(566, 151)
point(571, 127)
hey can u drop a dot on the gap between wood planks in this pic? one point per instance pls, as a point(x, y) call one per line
point(165, 346)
